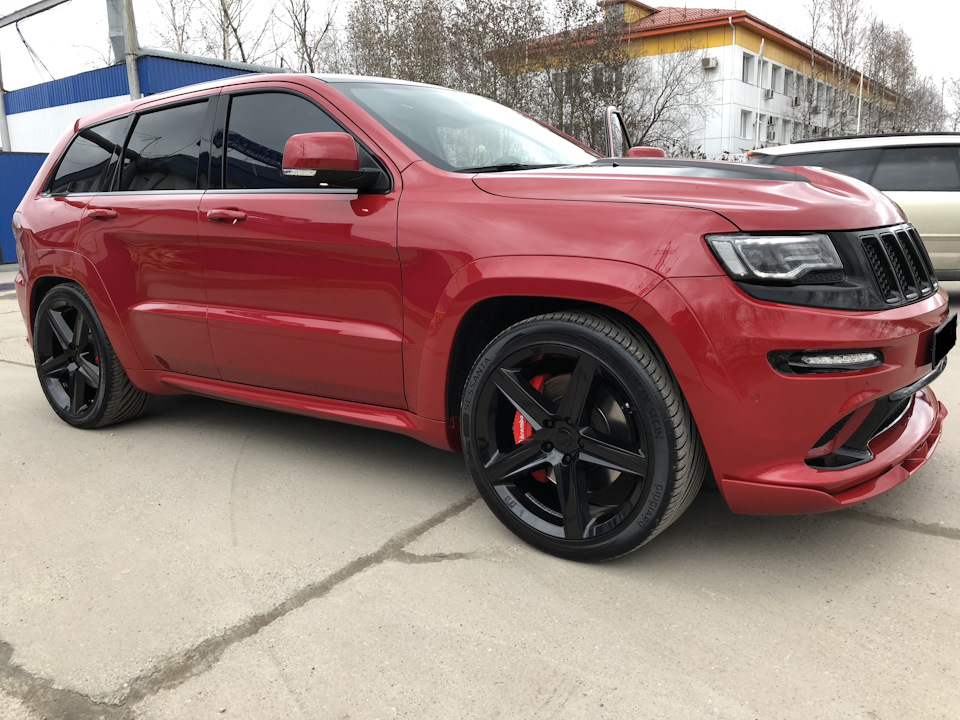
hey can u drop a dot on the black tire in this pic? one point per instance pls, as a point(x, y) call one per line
point(80, 375)
point(614, 456)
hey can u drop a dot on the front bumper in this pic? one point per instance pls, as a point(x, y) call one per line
point(904, 449)
point(764, 430)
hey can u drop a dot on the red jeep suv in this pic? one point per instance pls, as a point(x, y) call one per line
point(596, 334)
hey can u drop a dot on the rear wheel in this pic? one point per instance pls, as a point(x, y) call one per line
point(79, 372)
point(578, 437)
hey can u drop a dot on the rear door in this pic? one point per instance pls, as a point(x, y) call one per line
point(303, 283)
point(142, 235)
point(86, 167)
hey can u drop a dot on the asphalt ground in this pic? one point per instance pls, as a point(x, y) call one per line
point(211, 560)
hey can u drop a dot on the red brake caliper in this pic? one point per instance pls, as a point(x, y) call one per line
point(523, 430)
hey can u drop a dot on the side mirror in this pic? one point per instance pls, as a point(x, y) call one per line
point(615, 133)
point(645, 151)
point(326, 158)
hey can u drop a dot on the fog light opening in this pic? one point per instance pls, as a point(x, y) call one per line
point(808, 362)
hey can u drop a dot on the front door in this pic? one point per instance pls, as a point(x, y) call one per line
point(303, 284)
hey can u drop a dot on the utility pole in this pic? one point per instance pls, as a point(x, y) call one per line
point(123, 41)
point(4, 130)
point(120, 16)
point(131, 49)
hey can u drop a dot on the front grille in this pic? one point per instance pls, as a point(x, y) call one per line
point(900, 264)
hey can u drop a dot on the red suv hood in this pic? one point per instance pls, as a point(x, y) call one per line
point(752, 197)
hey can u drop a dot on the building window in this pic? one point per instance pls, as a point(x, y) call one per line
point(747, 75)
point(746, 124)
point(775, 78)
point(764, 79)
point(788, 88)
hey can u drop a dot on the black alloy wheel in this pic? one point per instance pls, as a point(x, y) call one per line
point(77, 367)
point(577, 436)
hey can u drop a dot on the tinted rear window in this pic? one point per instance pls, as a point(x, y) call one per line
point(163, 152)
point(90, 160)
point(919, 169)
point(855, 163)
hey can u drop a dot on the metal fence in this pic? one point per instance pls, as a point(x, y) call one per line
point(17, 171)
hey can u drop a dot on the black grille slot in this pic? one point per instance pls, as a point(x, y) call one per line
point(832, 432)
point(901, 269)
point(900, 265)
point(918, 260)
point(896, 410)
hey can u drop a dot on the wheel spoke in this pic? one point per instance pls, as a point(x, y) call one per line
point(79, 331)
point(77, 387)
point(55, 365)
point(61, 329)
point(605, 454)
point(578, 389)
point(504, 468)
point(528, 401)
point(573, 500)
point(89, 372)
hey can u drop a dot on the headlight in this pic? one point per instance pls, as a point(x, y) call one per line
point(788, 258)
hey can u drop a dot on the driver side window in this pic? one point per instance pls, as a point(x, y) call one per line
point(258, 127)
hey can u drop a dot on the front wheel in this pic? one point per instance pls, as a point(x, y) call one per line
point(577, 436)
point(79, 372)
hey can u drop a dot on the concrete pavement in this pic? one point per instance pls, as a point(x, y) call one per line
point(212, 560)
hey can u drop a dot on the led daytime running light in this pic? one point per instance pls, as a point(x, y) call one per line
point(840, 360)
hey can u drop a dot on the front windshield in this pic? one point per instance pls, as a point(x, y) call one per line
point(462, 132)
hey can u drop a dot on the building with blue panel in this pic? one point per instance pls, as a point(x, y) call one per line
point(38, 115)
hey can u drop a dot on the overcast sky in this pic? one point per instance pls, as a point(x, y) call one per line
point(73, 37)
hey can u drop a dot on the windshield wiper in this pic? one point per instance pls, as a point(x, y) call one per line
point(506, 167)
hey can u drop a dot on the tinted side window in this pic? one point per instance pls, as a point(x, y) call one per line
point(855, 163)
point(258, 128)
point(90, 160)
point(163, 152)
point(796, 160)
point(918, 168)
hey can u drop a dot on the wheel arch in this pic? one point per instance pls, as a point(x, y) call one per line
point(487, 296)
point(64, 266)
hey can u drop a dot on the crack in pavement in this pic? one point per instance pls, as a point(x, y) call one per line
point(914, 526)
point(42, 696)
point(409, 558)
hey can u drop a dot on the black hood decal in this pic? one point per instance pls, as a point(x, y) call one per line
point(701, 169)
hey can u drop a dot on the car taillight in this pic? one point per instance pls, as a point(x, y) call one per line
point(16, 234)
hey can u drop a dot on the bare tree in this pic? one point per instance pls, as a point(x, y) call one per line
point(668, 97)
point(307, 38)
point(845, 29)
point(584, 66)
point(807, 115)
point(490, 50)
point(953, 88)
point(177, 29)
point(232, 30)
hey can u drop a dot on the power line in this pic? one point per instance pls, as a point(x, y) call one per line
point(34, 58)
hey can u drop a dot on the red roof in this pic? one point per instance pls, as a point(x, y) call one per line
point(674, 15)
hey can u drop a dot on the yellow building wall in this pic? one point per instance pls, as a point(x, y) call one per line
point(706, 38)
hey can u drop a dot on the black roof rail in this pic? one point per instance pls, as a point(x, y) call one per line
point(873, 135)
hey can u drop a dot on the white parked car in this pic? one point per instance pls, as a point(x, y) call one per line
point(920, 172)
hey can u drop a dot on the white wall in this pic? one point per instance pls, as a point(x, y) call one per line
point(39, 130)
